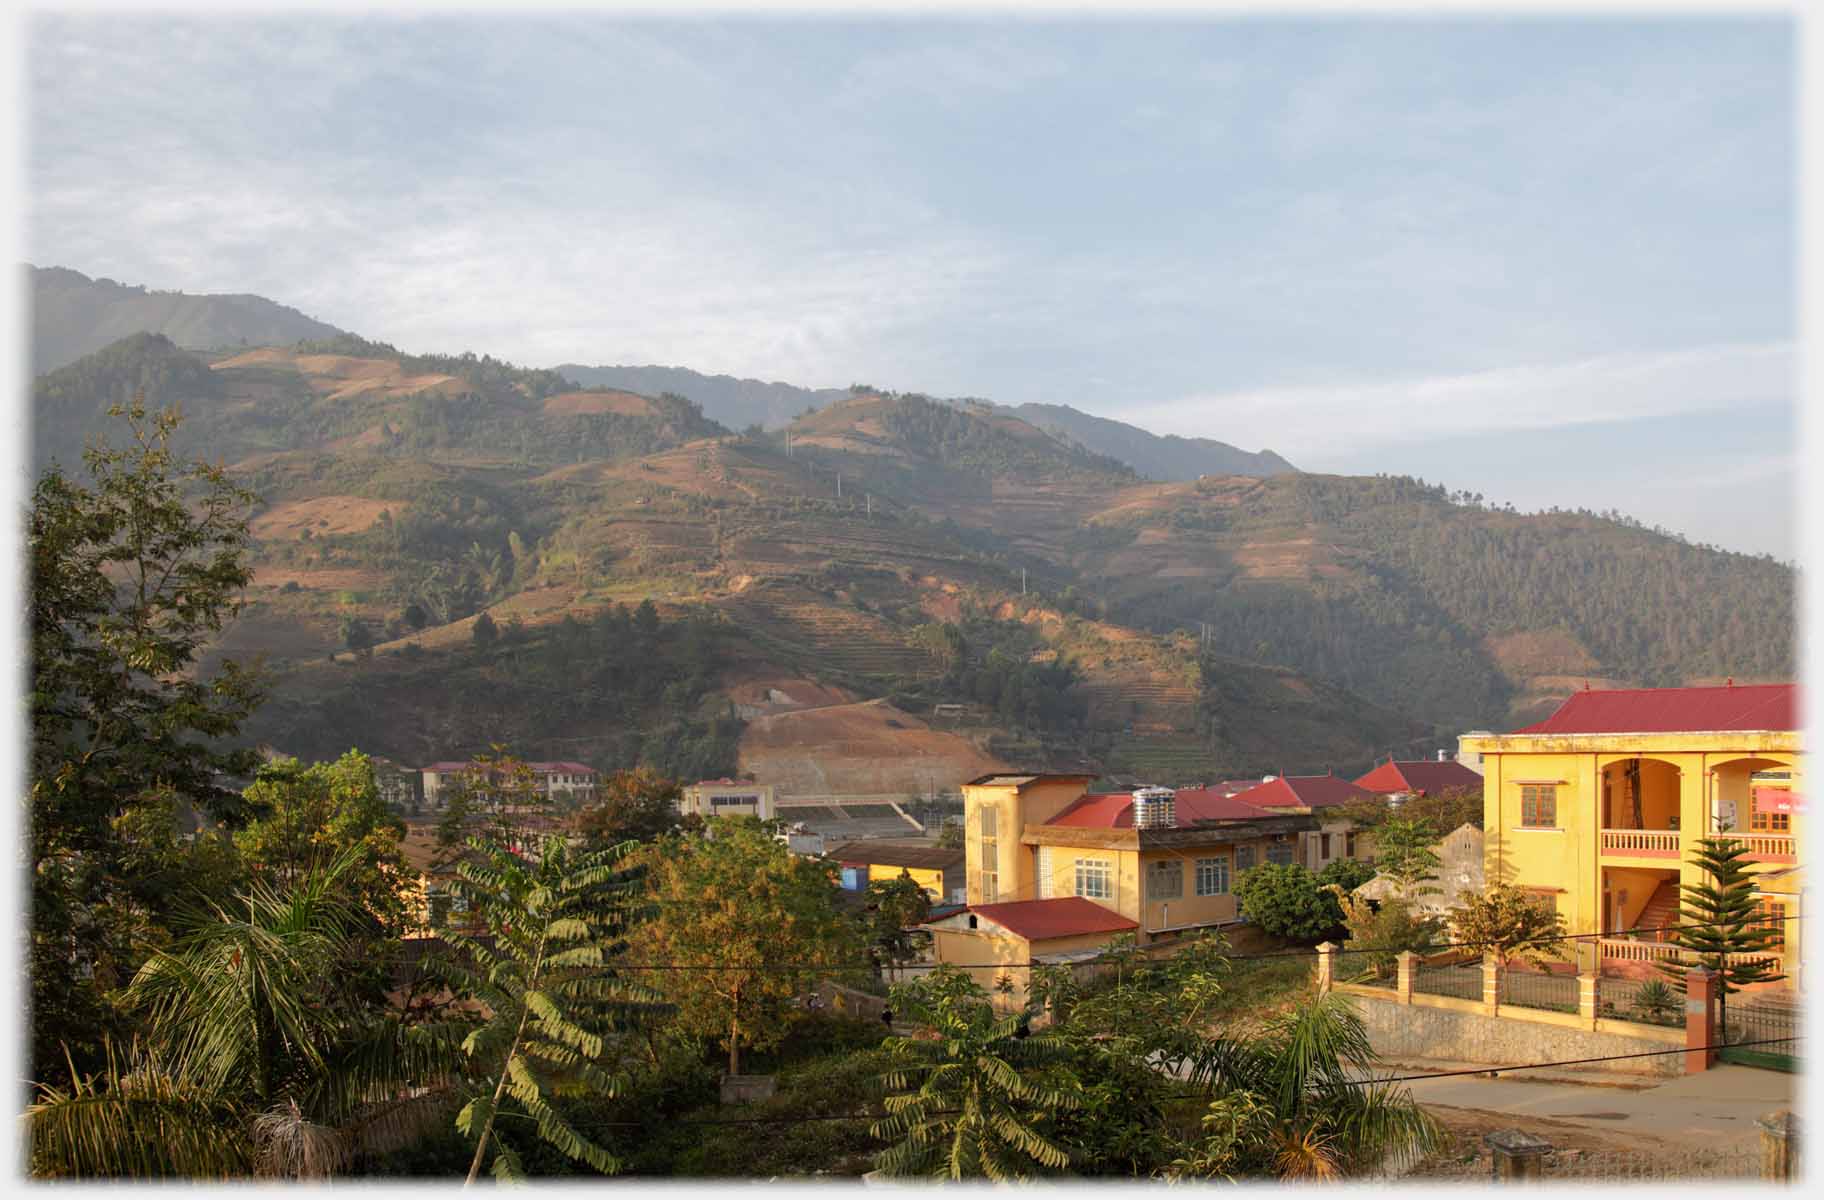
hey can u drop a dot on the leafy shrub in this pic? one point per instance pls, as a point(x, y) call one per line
point(1286, 900)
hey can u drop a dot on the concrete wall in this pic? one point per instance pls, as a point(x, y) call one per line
point(1455, 1031)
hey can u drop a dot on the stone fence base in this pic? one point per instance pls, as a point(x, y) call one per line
point(1423, 1031)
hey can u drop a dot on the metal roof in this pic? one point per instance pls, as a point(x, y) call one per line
point(1303, 791)
point(1067, 916)
point(1770, 707)
point(1420, 775)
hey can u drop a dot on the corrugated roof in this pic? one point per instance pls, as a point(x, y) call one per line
point(1304, 791)
point(1768, 706)
point(1067, 916)
point(928, 858)
point(1420, 775)
point(1115, 810)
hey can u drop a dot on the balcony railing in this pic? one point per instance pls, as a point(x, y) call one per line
point(1768, 845)
point(1628, 950)
point(1641, 843)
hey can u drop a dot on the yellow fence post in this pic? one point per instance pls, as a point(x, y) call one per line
point(1491, 985)
point(1326, 967)
point(1589, 999)
point(1408, 961)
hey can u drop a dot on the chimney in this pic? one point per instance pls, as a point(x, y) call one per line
point(1440, 756)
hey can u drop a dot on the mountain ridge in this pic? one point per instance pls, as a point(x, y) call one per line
point(74, 315)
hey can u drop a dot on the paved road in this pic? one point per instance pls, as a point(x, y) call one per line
point(1717, 1108)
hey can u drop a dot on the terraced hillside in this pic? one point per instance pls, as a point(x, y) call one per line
point(891, 548)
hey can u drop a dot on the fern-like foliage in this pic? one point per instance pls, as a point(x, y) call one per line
point(965, 1103)
point(545, 980)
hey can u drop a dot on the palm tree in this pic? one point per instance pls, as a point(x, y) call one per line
point(963, 1108)
point(257, 1059)
point(1291, 1102)
point(552, 1003)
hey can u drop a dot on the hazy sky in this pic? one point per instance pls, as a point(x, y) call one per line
point(1550, 260)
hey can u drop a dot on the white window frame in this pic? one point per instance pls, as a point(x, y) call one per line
point(1091, 871)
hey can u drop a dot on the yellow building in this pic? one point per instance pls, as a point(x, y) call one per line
point(1151, 862)
point(1598, 809)
point(938, 870)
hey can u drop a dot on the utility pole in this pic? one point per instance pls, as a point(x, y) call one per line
point(870, 504)
point(1022, 581)
point(788, 443)
point(839, 485)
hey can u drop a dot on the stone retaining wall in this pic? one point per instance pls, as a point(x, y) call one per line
point(1427, 1028)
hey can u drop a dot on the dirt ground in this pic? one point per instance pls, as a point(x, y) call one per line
point(866, 748)
point(320, 515)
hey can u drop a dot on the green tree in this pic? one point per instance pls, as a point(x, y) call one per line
point(1290, 1102)
point(484, 632)
point(1720, 927)
point(633, 806)
point(969, 1103)
point(734, 902)
point(1386, 929)
point(553, 1001)
point(1346, 873)
point(306, 817)
point(1403, 852)
point(131, 577)
point(357, 635)
point(1286, 901)
point(1508, 923)
point(646, 618)
point(894, 907)
point(255, 1058)
point(950, 837)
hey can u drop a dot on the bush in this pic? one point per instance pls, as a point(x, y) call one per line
point(1287, 901)
point(1346, 873)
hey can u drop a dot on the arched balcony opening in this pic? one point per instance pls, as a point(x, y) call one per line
point(1751, 798)
point(1640, 808)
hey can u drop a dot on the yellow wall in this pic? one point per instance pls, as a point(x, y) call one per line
point(1692, 771)
point(982, 951)
point(1129, 897)
point(926, 877)
point(1016, 809)
point(1190, 908)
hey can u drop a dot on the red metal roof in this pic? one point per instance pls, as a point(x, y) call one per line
point(1767, 706)
point(1115, 810)
point(1304, 791)
point(1068, 916)
point(1419, 775)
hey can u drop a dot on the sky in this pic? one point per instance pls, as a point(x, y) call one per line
point(1551, 260)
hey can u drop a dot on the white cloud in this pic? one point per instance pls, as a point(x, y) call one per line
point(1345, 416)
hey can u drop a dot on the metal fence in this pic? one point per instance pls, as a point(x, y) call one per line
point(1747, 1021)
point(1462, 980)
point(1536, 989)
point(1725, 1163)
point(1376, 969)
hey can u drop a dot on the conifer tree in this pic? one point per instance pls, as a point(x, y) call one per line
point(1719, 924)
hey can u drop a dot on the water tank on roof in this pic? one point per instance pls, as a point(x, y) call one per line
point(1268, 778)
point(1153, 808)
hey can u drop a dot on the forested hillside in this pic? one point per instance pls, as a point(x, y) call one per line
point(449, 549)
point(1434, 603)
point(1153, 456)
point(736, 403)
point(73, 315)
